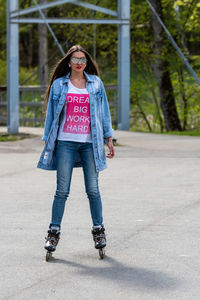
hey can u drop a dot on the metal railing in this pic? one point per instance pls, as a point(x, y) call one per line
point(31, 102)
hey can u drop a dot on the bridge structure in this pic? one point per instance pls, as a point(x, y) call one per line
point(15, 16)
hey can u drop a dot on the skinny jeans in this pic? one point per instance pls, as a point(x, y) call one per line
point(66, 152)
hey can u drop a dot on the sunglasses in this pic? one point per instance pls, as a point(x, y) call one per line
point(82, 60)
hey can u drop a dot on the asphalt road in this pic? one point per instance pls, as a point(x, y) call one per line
point(151, 203)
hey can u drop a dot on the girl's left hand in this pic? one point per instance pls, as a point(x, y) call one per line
point(111, 148)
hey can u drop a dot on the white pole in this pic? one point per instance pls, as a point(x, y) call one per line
point(12, 70)
point(124, 65)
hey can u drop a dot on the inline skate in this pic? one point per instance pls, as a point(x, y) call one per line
point(99, 238)
point(52, 240)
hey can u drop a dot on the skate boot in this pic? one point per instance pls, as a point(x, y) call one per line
point(52, 240)
point(99, 238)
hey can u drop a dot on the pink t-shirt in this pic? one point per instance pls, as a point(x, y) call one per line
point(75, 119)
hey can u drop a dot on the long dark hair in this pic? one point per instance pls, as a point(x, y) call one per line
point(62, 67)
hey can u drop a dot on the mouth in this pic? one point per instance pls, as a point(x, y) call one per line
point(79, 67)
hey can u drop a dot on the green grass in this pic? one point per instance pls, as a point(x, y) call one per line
point(188, 133)
point(182, 133)
point(7, 137)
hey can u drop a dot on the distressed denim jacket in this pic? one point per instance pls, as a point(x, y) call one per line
point(101, 127)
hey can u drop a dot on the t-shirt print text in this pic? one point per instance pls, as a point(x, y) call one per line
point(77, 114)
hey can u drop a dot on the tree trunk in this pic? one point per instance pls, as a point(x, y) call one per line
point(157, 109)
point(184, 98)
point(186, 52)
point(43, 51)
point(142, 112)
point(161, 70)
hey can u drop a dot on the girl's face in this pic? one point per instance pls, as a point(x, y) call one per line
point(78, 61)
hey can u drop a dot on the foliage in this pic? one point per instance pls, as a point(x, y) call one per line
point(185, 133)
point(6, 137)
point(3, 72)
point(181, 18)
point(2, 30)
point(23, 74)
point(190, 12)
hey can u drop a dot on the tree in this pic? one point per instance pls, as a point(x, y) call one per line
point(160, 66)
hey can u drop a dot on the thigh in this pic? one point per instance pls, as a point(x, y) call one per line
point(89, 167)
point(65, 157)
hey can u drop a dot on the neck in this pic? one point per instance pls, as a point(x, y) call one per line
point(76, 75)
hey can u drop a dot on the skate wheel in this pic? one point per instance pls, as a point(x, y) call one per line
point(48, 255)
point(102, 253)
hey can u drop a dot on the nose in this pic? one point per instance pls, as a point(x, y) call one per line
point(79, 62)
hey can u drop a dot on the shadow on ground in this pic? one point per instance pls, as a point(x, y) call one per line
point(129, 276)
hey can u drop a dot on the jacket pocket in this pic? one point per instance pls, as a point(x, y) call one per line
point(55, 103)
point(56, 97)
point(98, 95)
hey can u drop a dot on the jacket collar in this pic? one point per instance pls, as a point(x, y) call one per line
point(89, 78)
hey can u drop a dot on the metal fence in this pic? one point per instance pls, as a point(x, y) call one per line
point(31, 103)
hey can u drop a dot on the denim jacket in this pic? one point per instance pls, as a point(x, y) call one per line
point(101, 127)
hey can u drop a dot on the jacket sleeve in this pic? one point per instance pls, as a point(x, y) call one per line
point(106, 117)
point(49, 115)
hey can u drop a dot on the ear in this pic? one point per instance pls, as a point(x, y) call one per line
point(69, 65)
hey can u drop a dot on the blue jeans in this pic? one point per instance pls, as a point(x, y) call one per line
point(66, 152)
